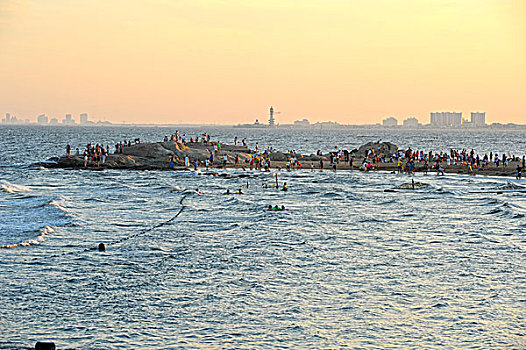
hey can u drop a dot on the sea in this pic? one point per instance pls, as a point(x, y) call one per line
point(344, 266)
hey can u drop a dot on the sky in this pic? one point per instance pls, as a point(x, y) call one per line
point(228, 61)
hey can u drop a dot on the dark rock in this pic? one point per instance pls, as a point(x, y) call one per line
point(412, 186)
point(45, 346)
point(386, 148)
point(509, 186)
point(278, 156)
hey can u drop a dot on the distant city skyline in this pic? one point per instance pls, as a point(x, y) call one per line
point(449, 119)
point(441, 120)
point(225, 62)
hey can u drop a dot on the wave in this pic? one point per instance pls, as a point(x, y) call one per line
point(14, 188)
point(42, 233)
point(56, 204)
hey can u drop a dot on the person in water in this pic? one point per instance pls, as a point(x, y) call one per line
point(275, 208)
point(284, 187)
point(227, 192)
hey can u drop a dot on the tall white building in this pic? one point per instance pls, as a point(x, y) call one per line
point(83, 118)
point(446, 119)
point(478, 118)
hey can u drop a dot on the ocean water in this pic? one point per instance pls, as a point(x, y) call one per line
point(346, 266)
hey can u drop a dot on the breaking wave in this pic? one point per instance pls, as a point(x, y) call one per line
point(13, 188)
point(42, 233)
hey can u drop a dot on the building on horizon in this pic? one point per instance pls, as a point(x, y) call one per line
point(478, 119)
point(411, 122)
point(42, 119)
point(271, 119)
point(390, 122)
point(304, 123)
point(445, 119)
point(84, 118)
point(6, 119)
point(53, 121)
point(11, 119)
point(68, 120)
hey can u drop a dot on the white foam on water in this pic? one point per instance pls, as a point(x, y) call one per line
point(43, 232)
point(56, 204)
point(14, 188)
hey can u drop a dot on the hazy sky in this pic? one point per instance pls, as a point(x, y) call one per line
point(227, 61)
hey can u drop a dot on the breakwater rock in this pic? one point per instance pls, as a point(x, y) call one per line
point(412, 186)
point(379, 147)
point(159, 155)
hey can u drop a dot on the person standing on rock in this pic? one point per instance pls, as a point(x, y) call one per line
point(235, 141)
point(186, 162)
point(103, 154)
point(68, 150)
point(224, 161)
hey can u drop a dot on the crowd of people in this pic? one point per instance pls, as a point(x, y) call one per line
point(407, 161)
point(97, 154)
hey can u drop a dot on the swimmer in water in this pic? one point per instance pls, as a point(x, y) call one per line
point(227, 192)
point(239, 191)
point(284, 187)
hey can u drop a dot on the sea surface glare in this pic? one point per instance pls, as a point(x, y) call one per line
point(347, 266)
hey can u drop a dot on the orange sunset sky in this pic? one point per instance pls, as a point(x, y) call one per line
point(228, 61)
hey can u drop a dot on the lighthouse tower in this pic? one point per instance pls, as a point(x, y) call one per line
point(271, 119)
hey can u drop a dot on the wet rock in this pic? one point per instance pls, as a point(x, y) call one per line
point(278, 156)
point(412, 186)
point(45, 346)
point(148, 150)
point(386, 148)
point(509, 187)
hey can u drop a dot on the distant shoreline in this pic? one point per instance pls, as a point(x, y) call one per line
point(520, 127)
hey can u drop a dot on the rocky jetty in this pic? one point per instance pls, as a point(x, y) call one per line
point(158, 155)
